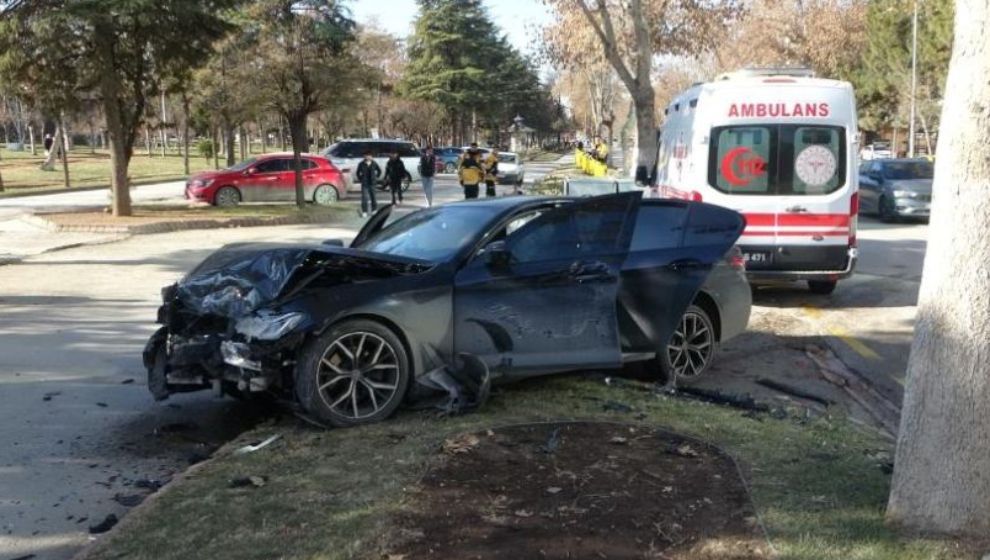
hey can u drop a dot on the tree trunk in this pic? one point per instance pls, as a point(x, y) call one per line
point(263, 132)
point(215, 141)
point(941, 482)
point(244, 143)
point(297, 127)
point(281, 136)
point(34, 147)
point(1, 179)
point(49, 163)
point(185, 133)
point(646, 131)
point(228, 143)
point(164, 135)
point(147, 142)
point(64, 149)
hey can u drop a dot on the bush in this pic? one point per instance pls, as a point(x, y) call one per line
point(205, 147)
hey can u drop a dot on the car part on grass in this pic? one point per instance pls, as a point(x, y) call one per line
point(252, 448)
point(745, 402)
point(439, 304)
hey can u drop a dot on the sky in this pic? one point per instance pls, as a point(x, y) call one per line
point(518, 19)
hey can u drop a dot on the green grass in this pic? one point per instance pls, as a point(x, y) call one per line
point(538, 155)
point(330, 494)
point(21, 173)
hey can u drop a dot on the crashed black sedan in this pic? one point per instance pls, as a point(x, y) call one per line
point(443, 302)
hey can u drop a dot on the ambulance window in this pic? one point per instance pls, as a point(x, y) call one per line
point(740, 159)
point(817, 160)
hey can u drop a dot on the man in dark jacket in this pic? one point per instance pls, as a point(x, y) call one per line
point(427, 169)
point(368, 173)
point(395, 172)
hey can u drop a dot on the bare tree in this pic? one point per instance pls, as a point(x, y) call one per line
point(941, 482)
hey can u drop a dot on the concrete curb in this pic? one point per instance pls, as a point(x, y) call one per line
point(181, 225)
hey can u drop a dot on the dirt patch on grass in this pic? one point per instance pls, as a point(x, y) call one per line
point(579, 490)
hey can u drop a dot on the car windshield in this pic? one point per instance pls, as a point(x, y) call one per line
point(902, 170)
point(244, 164)
point(507, 158)
point(434, 235)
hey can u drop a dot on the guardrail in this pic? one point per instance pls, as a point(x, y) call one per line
point(589, 165)
point(588, 186)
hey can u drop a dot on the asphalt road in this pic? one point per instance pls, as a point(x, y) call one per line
point(869, 319)
point(82, 438)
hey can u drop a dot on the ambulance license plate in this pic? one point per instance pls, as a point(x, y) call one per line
point(757, 258)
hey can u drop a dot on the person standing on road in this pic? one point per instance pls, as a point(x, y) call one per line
point(395, 172)
point(368, 173)
point(471, 173)
point(427, 169)
point(491, 172)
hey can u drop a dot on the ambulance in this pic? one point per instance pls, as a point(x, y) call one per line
point(780, 147)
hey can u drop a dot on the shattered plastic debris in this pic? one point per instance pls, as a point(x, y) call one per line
point(252, 448)
point(460, 444)
point(467, 387)
point(103, 526)
point(552, 443)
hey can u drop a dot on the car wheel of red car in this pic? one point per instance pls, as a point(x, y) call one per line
point(691, 348)
point(227, 196)
point(355, 373)
point(325, 195)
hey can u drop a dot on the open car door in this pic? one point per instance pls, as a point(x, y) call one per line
point(674, 248)
point(545, 298)
point(373, 225)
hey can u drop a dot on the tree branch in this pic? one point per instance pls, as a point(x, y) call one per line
point(606, 33)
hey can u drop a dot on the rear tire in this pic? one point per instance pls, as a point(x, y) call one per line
point(449, 167)
point(357, 372)
point(326, 195)
point(822, 287)
point(691, 348)
point(227, 197)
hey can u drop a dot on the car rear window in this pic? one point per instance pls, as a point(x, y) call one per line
point(777, 159)
point(900, 170)
point(658, 227)
point(507, 158)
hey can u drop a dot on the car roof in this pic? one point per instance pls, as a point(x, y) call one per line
point(376, 140)
point(285, 154)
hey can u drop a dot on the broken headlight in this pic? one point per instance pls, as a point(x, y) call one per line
point(266, 325)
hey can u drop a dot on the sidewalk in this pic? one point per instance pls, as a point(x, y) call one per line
point(20, 239)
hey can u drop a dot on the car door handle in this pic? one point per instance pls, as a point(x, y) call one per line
point(685, 264)
point(796, 209)
point(585, 272)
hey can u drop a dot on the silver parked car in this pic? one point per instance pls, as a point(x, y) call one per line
point(511, 169)
point(896, 188)
point(348, 153)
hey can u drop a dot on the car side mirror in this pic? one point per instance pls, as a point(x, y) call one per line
point(333, 242)
point(497, 255)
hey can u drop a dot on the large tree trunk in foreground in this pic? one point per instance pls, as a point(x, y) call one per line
point(54, 151)
point(941, 478)
point(228, 144)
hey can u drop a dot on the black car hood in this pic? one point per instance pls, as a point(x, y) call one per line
point(240, 278)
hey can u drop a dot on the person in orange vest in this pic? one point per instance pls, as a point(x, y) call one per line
point(471, 173)
point(491, 172)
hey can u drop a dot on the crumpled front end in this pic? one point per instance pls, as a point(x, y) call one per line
point(236, 322)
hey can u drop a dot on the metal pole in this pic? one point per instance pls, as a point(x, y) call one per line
point(914, 76)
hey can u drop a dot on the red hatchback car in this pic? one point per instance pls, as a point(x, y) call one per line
point(268, 178)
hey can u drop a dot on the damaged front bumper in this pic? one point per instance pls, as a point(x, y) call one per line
point(193, 352)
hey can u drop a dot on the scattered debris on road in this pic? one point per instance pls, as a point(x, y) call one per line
point(103, 526)
point(49, 396)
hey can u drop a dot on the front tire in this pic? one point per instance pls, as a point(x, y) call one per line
point(227, 197)
point(325, 195)
point(357, 372)
point(885, 208)
point(691, 348)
